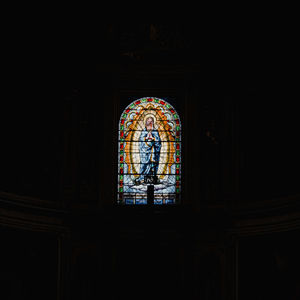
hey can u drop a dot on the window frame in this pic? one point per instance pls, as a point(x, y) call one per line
point(177, 153)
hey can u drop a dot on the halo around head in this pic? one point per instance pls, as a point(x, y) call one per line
point(149, 115)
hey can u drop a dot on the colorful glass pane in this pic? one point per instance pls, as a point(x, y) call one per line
point(149, 152)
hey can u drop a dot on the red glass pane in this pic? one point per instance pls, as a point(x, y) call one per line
point(177, 146)
point(177, 172)
point(149, 99)
point(177, 122)
point(121, 146)
point(121, 158)
point(177, 159)
point(121, 170)
point(137, 102)
point(172, 111)
point(162, 102)
point(121, 134)
point(128, 110)
point(122, 121)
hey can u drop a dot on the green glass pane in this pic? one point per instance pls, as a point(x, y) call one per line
point(124, 115)
point(121, 127)
point(168, 106)
point(177, 128)
point(144, 100)
point(175, 116)
point(177, 152)
point(156, 100)
point(132, 105)
point(121, 177)
point(121, 165)
point(121, 190)
point(177, 190)
point(177, 177)
point(177, 166)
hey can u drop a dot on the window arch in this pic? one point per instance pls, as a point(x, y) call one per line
point(149, 153)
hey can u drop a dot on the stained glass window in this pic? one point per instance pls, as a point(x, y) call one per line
point(149, 152)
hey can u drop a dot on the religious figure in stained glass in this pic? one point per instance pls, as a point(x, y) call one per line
point(149, 146)
point(149, 152)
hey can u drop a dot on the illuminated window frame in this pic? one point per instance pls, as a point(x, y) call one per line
point(149, 153)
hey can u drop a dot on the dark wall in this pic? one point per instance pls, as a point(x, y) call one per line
point(268, 266)
point(267, 140)
point(29, 265)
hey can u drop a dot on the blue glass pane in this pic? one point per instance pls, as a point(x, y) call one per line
point(170, 201)
point(158, 201)
point(129, 201)
point(140, 201)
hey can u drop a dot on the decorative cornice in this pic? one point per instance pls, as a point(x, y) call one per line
point(267, 207)
point(276, 215)
point(31, 214)
point(259, 218)
point(28, 202)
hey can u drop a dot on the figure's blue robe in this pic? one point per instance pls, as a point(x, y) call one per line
point(149, 153)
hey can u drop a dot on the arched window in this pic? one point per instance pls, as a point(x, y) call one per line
point(149, 153)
